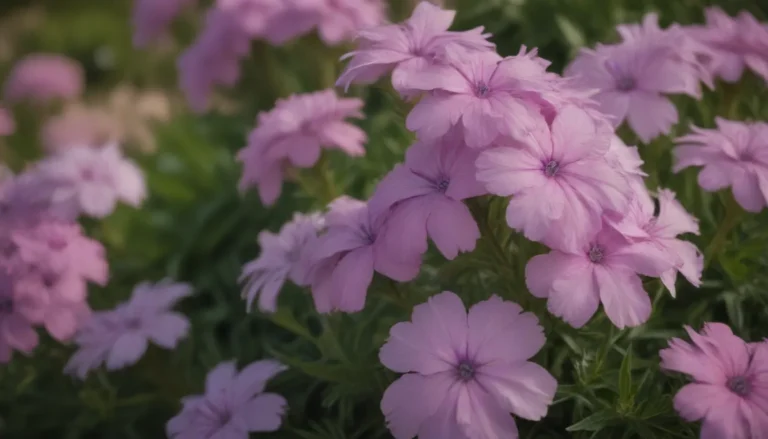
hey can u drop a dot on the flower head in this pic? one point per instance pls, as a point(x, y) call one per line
point(424, 197)
point(16, 331)
point(735, 154)
point(7, 124)
point(729, 387)
point(464, 372)
point(341, 20)
point(233, 405)
point(407, 48)
point(43, 77)
point(294, 133)
point(151, 18)
point(560, 179)
point(283, 256)
point(119, 337)
point(345, 257)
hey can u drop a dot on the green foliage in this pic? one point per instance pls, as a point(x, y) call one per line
point(196, 227)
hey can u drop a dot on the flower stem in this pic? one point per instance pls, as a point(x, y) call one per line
point(733, 214)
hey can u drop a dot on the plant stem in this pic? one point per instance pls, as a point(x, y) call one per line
point(733, 213)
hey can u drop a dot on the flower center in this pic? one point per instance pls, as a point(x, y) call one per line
point(482, 90)
point(465, 371)
point(740, 385)
point(442, 185)
point(596, 254)
point(551, 168)
point(87, 174)
point(625, 83)
point(6, 306)
point(57, 243)
point(133, 324)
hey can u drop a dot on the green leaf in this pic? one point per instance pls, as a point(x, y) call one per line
point(595, 422)
point(626, 396)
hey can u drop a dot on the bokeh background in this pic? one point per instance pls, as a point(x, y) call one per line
point(197, 227)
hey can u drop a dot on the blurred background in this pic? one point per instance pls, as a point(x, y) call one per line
point(197, 227)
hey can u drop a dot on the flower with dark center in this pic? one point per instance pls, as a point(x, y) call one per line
point(551, 168)
point(740, 385)
point(596, 254)
point(482, 90)
point(465, 371)
point(442, 185)
point(626, 83)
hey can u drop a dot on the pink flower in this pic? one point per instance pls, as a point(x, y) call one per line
point(151, 18)
point(633, 78)
point(464, 372)
point(341, 20)
point(345, 257)
point(409, 47)
point(560, 179)
point(605, 269)
point(91, 181)
point(490, 97)
point(294, 133)
point(283, 256)
point(16, 332)
point(233, 404)
point(640, 224)
point(734, 44)
point(730, 382)
point(43, 77)
point(7, 124)
point(119, 337)
point(735, 154)
point(425, 197)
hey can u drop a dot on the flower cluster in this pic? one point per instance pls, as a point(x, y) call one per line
point(151, 18)
point(42, 78)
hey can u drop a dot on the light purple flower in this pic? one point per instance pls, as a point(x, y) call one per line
point(294, 133)
point(91, 181)
point(119, 337)
point(341, 20)
point(408, 47)
point(151, 18)
point(44, 77)
point(735, 154)
point(16, 331)
point(424, 197)
point(234, 404)
point(7, 124)
point(283, 256)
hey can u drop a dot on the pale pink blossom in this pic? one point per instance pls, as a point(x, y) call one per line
point(44, 77)
point(560, 179)
point(735, 154)
point(412, 46)
point(294, 133)
point(464, 372)
point(119, 337)
point(233, 405)
point(605, 269)
point(7, 124)
point(283, 257)
point(16, 331)
point(730, 382)
point(346, 256)
point(151, 18)
point(342, 20)
point(424, 197)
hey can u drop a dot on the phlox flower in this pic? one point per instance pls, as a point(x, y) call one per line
point(91, 181)
point(151, 18)
point(605, 269)
point(735, 154)
point(560, 180)
point(490, 97)
point(424, 197)
point(341, 20)
point(283, 256)
point(293, 133)
point(233, 405)
point(7, 124)
point(632, 79)
point(641, 224)
point(119, 337)
point(730, 382)
point(346, 256)
point(407, 48)
point(16, 331)
point(42, 77)
point(464, 371)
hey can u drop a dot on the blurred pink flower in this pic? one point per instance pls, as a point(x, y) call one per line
point(490, 97)
point(234, 404)
point(345, 257)
point(16, 331)
point(341, 20)
point(80, 127)
point(294, 133)
point(408, 47)
point(464, 372)
point(632, 79)
point(283, 256)
point(640, 224)
point(151, 18)
point(424, 197)
point(730, 382)
point(735, 43)
point(560, 179)
point(7, 124)
point(735, 154)
point(604, 270)
point(91, 181)
point(119, 337)
point(44, 77)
